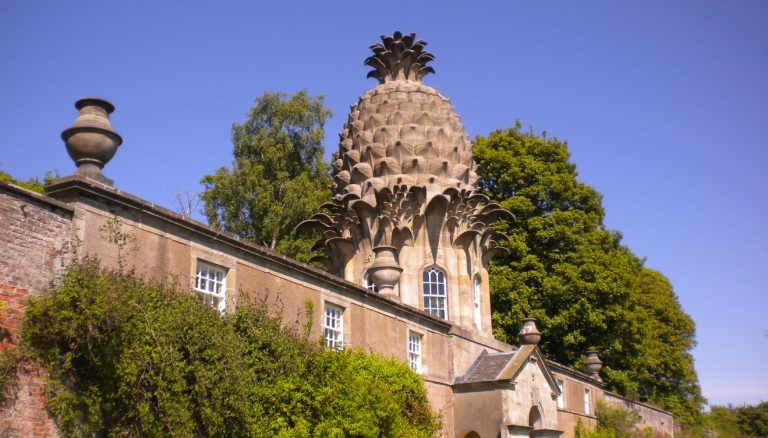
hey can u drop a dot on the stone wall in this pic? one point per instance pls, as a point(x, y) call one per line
point(34, 243)
point(573, 408)
point(661, 422)
point(162, 244)
point(38, 231)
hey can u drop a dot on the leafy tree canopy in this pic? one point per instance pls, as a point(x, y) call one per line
point(278, 176)
point(127, 357)
point(753, 420)
point(747, 421)
point(584, 287)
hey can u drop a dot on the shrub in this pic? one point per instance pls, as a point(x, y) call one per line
point(128, 357)
point(612, 422)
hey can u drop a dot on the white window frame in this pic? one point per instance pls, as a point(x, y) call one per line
point(476, 302)
point(211, 283)
point(435, 291)
point(561, 396)
point(586, 401)
point(368, 284)
point(333, 326)
point(415, 351)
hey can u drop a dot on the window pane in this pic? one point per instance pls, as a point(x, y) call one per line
point(333, 326)
point(210, 281)
point(434, 290)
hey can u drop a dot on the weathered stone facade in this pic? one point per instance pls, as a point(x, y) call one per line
point(404, 204)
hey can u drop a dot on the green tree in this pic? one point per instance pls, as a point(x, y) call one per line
point(719, 419)
point(753, 420)
point(664, 374)
point(278, 176)
point(586, 289)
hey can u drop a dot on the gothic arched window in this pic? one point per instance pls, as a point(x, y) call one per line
point(435, 298)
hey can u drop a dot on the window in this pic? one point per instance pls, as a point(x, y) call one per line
point(586, 401)
point(333, 326)
point(476, 302)
point(434, 293)
point(210, 282)
point(561, 396)
point(414, 351)
point(368, 284)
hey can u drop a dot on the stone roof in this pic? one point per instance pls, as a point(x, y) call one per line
point(501, 367)
point(487, 367)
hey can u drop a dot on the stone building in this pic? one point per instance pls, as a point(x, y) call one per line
point(408, 243)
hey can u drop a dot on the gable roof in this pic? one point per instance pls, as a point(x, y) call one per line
point(503, 367)
point(486, 367)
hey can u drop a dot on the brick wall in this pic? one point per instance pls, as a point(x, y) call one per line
point(34, 232)
point(35, 229)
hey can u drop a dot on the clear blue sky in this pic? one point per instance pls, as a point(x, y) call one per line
point(664, 106)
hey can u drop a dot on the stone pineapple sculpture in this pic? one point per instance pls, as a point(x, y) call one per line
point(402, 133)
point(403, 178)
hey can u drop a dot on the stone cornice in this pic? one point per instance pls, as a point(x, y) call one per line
point(32, 195)
point(563, 369)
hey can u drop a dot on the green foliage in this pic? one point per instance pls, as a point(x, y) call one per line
point(575, 277)
point(664, 374)
point(753, 420)
point(612, 422)
point(127, 357)
point(618, 421)
point(720, 419)
point(10, 359)
point(33, 184)
point(731, 422)
point(278, 176)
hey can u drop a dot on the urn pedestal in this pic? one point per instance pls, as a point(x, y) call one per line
point(385, 272)
point(91, 142)
point(529, 334)
point(593, 365)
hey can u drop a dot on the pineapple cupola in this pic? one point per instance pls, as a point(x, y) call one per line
point(405, 211)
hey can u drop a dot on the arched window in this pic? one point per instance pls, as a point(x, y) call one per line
point(435, 299)
point(368, 284)
point(476, 302)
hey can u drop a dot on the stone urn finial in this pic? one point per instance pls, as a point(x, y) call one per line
point(529, 334)
point(91, 141)
point(593, 365)
point(385, 272)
